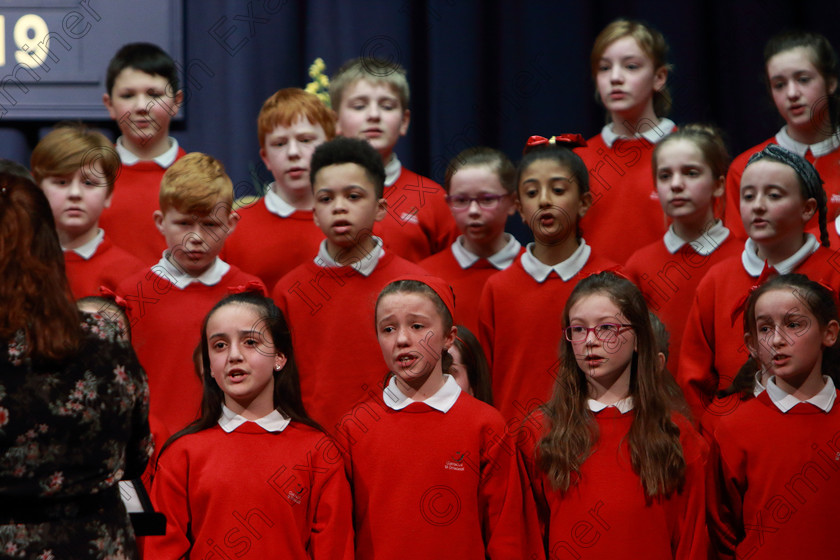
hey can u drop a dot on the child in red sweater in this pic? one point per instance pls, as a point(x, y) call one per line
point(254, 476)
point(630, 70)
point(142, 97)
point(370, 97)
point(780, 193)
point(457, 482)
point(172, 297)
point(277, 233)
point(329, 299)
point(552, 196)
point(690, 170)
point(469, 365)
point(802, 77)
point(480, 183)
point(776, 455)
point(617, 470)
point(76, 168)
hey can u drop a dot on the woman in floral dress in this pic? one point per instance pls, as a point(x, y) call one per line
point(73, 399)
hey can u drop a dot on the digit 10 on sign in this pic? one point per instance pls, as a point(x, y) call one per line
point(31, 35)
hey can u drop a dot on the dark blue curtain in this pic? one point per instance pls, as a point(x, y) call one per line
point(481, 72)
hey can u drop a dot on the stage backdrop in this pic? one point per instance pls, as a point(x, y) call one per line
point(481, 72)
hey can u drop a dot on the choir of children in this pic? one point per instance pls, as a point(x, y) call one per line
point(592, 449)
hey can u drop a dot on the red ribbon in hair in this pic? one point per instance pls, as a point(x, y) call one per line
point(766, 273)
point(250, 287)
point(566, 140)
point(108, 294)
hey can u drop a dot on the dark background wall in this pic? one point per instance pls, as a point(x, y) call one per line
point(481, 72)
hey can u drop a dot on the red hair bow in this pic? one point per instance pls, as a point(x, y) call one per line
point(107, 293)
point(567, 140)
point(252, 286)
point(741, 305)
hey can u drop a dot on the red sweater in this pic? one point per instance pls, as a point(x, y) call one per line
point(270, 246)
point(418, 222)
point(778, 482)
point(253, 494)
point(828, 167)
point(108, 266)
point(713, 347)
point(520, 325)
point(668, 282)
point(606, 515)
point(624, 198)
point(165, 329)
point(331, 314)
point(129, 220)
point(428, 484)
point(466, 283)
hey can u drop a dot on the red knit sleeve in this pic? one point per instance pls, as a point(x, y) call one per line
point(169, 496)
point(725, 498)
point(486, 323)
point(690, 537)
point(332, 511)
point(697, 375)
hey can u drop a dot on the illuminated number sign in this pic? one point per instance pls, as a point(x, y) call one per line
point(54, 53)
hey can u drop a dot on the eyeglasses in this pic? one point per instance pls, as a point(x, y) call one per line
point(459, 202)
point(604, 332)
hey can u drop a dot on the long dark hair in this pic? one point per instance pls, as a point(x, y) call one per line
point(287, 397)
point(656, 453)
point(34, 293)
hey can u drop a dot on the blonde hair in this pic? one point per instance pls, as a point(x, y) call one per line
point(287, 105)
point(72, 146)
point(196, 184)
point(374, 70)
point(652, 43)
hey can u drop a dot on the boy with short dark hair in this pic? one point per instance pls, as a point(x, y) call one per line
point(142, 97)
point(371, 98)
point(169, 300)
point(76, 168)
point(277, 233)
point(329, 302)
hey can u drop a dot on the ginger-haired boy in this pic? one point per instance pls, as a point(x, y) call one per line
point(169, 300)
point(328, 301)
point(142, 97)
point(371, 99)
point(76, 168)
point(277, 233)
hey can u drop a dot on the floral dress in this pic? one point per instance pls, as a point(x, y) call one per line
point(68, 434)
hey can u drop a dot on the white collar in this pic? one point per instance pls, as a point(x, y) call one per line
point(274, 421)
point(653, 135)
point(823, 400)
point(624, 405)
point(365, 267)
point(755, 266)
point(759, 387)
point(821, 148)
point(164, 160)
point(500, 260)
point(442, 401)
point(87, 250)
point(704, 245)
point(181, 279)
point(275, 204)
point(837, 225)
point(566, 270)
point(392, 170)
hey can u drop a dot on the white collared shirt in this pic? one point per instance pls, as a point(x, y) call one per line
point(822, 148)
point(164, 160)
point(837, 225)
point(365, 267)
point(392, 170)
point(275, 204)
point(180, 279)
point(443, 400)
point(566, 270)
point(824, 400)
point(500, 260)
point(652, 135)
point(704, 245)
point(87, 250)
point(754, 265)
point(759, 387)
point(624, 405)
point(274, 421)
